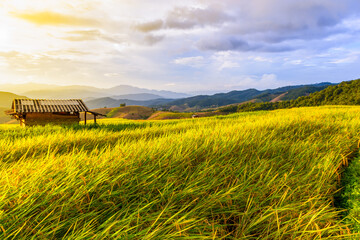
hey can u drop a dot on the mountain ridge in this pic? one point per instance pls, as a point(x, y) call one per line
point(35, 90)
point(222, 99)
point(344, 93)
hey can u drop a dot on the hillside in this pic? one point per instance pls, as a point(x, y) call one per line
point(222, 99)
point(219, 99)
point(180, 179)
point(131, 112)
point(112, 102)
point(345, 93)
point(6, 99)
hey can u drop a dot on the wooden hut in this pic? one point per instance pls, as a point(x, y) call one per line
point(32, 112)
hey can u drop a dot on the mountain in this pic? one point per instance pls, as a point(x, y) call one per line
point(111, 102)
point(126, 89)
point(289, 92)
point(6, 99)
point(138, 96)
point(35, 90)
point(345, 93)
point(222, 99)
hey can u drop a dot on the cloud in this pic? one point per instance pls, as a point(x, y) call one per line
point(230, 43)
point(88, 35)
point(190, 61)
point(151, 39)
point(349, 59)
point(186, 18)
point(260, 59)
point(149, 26)
point(55, 19)
point(261, 26)
point(264, 81)
point(112, 74)
point(229, 64)
point(223, 44)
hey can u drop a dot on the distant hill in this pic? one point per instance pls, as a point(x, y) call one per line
point(345, 93)
point(290, 93)
point(111, 102)
point(222, 99)
point(138, 96)
point(6, 99)
point(131, 112)
point(34, 90)
point(219, 99)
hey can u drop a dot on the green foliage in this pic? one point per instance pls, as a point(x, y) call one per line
point(266, 96)
point(223, 99)
point(346, 93)
point(350, 195)
point(228, 109)
point(260, 175)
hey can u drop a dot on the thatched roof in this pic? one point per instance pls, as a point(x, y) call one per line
point(48, 106)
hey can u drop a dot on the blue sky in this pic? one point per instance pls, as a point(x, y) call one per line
point(190, 45)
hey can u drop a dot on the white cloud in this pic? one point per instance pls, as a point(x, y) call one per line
point(349, 59)
point(296, 62)
point(112, 74)
point(197, 61)
point(229, 64)
point(264, 81)
point(260, 59)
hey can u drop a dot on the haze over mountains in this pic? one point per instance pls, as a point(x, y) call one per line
point(113, 97)
point(33, 90)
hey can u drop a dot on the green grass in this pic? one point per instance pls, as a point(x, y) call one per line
point(259, 175)
point(350, 196)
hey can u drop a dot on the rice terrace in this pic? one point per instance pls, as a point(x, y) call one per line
point(196, 119)
point(258, 175)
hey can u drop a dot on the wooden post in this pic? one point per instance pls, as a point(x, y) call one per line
point(94, 119)
point(85, 117)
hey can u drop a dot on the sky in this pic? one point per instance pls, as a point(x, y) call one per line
point(183, 46)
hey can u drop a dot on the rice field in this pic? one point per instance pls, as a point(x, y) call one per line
point(258, 175)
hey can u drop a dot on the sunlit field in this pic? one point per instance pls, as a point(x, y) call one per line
point(259, 175)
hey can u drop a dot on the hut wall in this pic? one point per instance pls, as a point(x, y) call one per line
point(32, 119)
